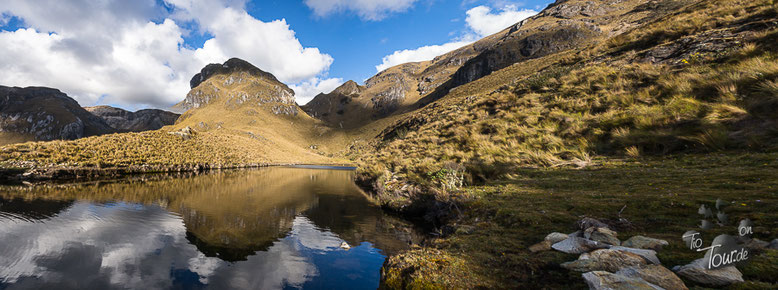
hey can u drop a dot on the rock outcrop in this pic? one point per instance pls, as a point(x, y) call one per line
point(697, 272)
point(126, 121)
point(43, 114)
point(237, 82)
point(641, 242)
point(329, 107)
point(654, 274)
point(603, 280)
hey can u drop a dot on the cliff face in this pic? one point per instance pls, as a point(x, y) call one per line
point(43, 114)
point(126, 121)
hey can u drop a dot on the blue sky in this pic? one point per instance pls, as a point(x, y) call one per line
point(138, 54)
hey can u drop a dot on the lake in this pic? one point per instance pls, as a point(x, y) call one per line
point(269, 228)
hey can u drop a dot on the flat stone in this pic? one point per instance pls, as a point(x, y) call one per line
point(601, 280)
point(654, 274)
point(556, 237)
point(604, 260)
point(697, 272)
point(545, 245)
point(649, 255)
point(576, 245)
point(604, 235)
point(586, 223)
point(641, 242)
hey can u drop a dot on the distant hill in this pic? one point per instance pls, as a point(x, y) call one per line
point(126, 121)
point(43, 114)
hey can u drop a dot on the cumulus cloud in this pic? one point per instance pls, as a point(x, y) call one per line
point(419, 54)
point(132, 53)
point(373, 10)
point(483, 22)
point(306, 90)
point(480, 22)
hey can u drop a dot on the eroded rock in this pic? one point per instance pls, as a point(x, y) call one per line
point(697, 272)
point(601, 280)
point(654, 274)
point(578, 245)
point(648, 255)
point(641, 242)
point(605, 260)
point(602, 234)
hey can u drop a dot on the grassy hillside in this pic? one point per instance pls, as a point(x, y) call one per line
point(637, 129)
point(716, 91)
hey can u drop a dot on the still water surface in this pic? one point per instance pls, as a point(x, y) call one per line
point(272, 228)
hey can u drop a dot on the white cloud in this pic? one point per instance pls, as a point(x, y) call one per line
point(483, 22)
point(306, 90)
point(480, 22)
point(111, 52)
point(373, 10)
point(419, 54)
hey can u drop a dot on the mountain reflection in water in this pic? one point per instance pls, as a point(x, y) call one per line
point(255, 229)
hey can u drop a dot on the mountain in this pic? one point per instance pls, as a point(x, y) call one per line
point(235, 115)
point(646, 81)
point(238, 77)
point(564, 25)
point(43, 114)
point(125, 121)
point(240, 100)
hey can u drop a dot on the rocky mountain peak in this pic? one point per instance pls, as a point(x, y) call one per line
point(235, 83)
point(232, 65)
point(42, 114)
point(348, 88)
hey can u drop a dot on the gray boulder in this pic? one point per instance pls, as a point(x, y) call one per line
point(604, 235)
point(605, 260)
point(601, 280)
point(697, 272)
point(654, 274)
point(649, 255)
point(641, 242)
point(773, 245)
point(578, 245)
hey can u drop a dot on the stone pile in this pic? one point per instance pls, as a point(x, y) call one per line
point(608, 263)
